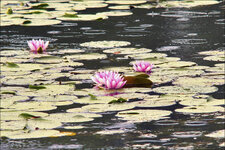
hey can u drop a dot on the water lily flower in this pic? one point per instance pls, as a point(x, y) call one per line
point(142, 66)
point(109, 80)
point(38, 46)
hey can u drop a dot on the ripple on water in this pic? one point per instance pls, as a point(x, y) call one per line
point(167, 48)
point(188, 134)
point(195, 123)
point(54, 32)
point(184, 14)
point(166, 122)
point(71, 146)
point(220, 21)
point(94, 32)
point(190, 41)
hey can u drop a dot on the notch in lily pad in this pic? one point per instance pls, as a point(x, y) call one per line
point(92, 97)
point(11, 65)
point(40, 6)
point(70, 15)
point(27, 22)
point(117, 101)
point(28, 116)
point(37, 87)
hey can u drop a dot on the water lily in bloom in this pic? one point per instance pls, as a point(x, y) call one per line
point(109, 80)
point(38, 46)
point(142, 66)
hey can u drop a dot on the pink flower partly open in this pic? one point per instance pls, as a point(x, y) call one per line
point(142, 66)
point(38, 46)
point(109, 80)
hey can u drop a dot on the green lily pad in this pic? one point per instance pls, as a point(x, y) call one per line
point(135, 81)
point(185, 90)
point(200, 109)
point(104, 107)
point(217, 134)
point(148, 56)
point(143, 115)
point(72, 117)
point(197, 81)
point(127, 50)
point(120, 7)
point(7, 114)
point(220, 58)
point(42, 22)
point(91, 56)
point(213, 52)
point(48, 60)
point(105, 44)
point(32, 106)
point(99, 99)
point(84, 17)
point(21, 134)
point(130, 2)
point(115, 13)
point(186, 3)
point(177, 64)
point(73, 127)
point(206, 101)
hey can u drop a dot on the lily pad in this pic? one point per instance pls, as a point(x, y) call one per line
point(127, 50)
point(200, 109)
point(7, 114)
point(98, 100)
point(105, 44)
point(143, 115)
point(72, 117)
point(21, 134)
point(115, 13)
point(84, 17)
point(185, 90)
point(91, 56)
point(130, 2)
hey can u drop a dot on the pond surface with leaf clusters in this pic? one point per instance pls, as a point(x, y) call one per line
point(48, 100)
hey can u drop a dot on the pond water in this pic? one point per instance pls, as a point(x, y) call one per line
point(176, 32)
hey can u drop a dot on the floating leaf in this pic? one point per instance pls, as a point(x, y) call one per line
point(27, 22)
point(143, 115)
point(11, 65)
point(92, 97)
point(70, 15)
point(28, 116)
point(37, 87)
point(40, 6)
point(119, 100)
point(217, 134)
point(200, 109)
point(9, 11)
point(21, 134)
point(105, 44)
point(137, 81)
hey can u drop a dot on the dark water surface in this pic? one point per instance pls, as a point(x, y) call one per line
point(178, 32)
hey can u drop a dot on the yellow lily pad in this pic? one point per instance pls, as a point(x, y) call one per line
point(200, 109)
point(90, 56)
point(105, 44)
point(217, 134)
point(127, 50)
point(143, 115)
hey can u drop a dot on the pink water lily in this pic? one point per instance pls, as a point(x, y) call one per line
point(142, 66)
point(38, 46)
point(109, 80)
